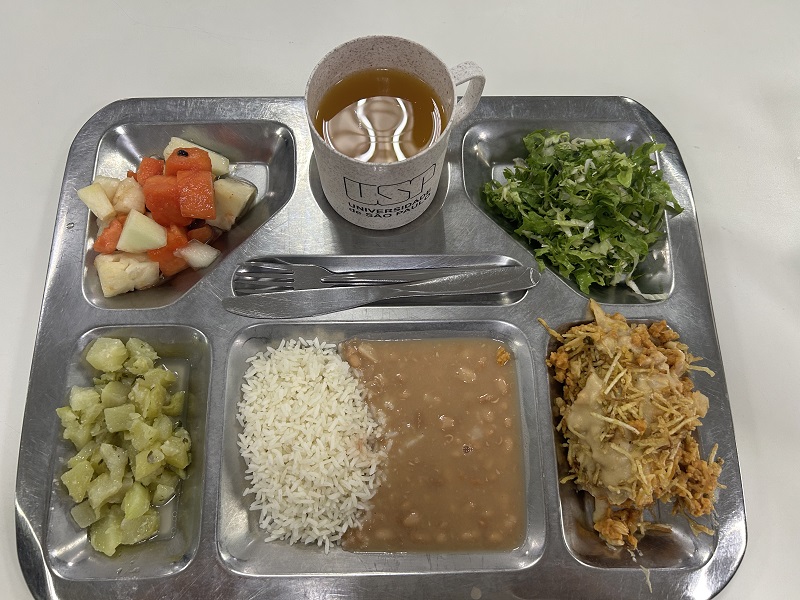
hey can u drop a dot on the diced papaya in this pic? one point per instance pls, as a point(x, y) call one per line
point(106, 242)
point(161, 197)
point(187, 159)
point(196, 194)
point(202, 234)
point(168, 263)
point(149, 167)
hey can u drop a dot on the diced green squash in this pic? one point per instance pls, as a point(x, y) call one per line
point(102, 488)
point(142, 356)
point(77, 479)
point(79, 434)
point(143, 435)
point(160, 376)
point(84, 514)
point(115, 393)
point(174, 407)
point(148, 400)
point(82, 398)
point(84, 454)
point(120, 418)
point(148, 463)
point(164, 487)
point(107, 354)
point(136, 501)
point(127, 483)
point(115, 459)
point(176, 452)
point(163, 425)
point(141, 528)
point(105, 535)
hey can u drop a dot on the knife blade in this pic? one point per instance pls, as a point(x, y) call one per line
point(306, 303)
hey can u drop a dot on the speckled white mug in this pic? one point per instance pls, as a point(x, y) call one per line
point(387, 195)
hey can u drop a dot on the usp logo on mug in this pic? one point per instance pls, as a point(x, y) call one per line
point(381, 110)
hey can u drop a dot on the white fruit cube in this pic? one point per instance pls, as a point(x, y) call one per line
point(109, 185)
point(230, 197)
point(141, 233)
point(128, 197)
point(197, 254)
point(94, 196)
point(122, 272)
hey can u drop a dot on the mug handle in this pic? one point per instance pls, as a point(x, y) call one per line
point(461, 73)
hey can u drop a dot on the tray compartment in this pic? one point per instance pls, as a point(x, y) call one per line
point(489, 147)
point(262, 152)
point(70, 555)
point(680, 548)
point(239, 538)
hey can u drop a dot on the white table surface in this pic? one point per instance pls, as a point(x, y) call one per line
point(723, 77)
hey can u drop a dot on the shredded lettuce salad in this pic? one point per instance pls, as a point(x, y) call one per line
point(592, 211)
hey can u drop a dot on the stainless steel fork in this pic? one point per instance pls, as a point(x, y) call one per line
point(273, 275)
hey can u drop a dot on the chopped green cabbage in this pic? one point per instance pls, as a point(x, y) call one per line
point(591, 211)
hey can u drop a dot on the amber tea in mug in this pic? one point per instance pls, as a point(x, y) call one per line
point(380, 111)
point(380, 115)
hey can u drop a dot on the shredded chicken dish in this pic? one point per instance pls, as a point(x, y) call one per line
point(627, 411)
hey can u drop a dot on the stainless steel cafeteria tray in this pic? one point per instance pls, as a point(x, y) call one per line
point(211, 547)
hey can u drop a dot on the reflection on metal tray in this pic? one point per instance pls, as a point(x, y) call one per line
point(213, 548)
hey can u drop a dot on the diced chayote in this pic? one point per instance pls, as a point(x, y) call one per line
point(77, 479)
point(102, 488)
point(174, 407)
point(164, 487)
point(176, 452)
point(142, 356)
point(143, 435)
point(84, 514)
point(120, 418)
point(148, 463)
point(115, 459)
point(148, 400)
point(105, 535)
point(115, 393)
point(140, 529)
point(107, 354)
point(136, 501)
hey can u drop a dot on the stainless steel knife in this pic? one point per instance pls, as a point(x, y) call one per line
point(306, 303)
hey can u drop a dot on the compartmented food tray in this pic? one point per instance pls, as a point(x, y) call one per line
point(210, 545)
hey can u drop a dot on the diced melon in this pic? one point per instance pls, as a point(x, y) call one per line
point(94, 196)
point(219, 164)
point(128, 197)
point(109, 185)
point(140, 234)
point(123, 272)
point(231, 196)
point(198, 254)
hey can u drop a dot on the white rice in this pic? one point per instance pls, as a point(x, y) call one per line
point(309, 442)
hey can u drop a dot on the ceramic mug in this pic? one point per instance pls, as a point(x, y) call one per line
point(392, 194)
